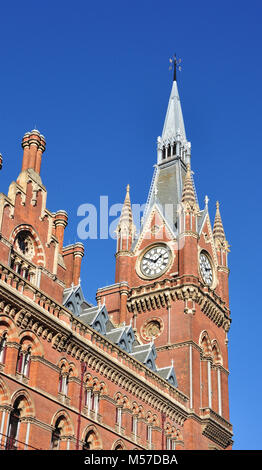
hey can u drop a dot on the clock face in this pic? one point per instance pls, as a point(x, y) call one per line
point(155, 261)
point(206, 269)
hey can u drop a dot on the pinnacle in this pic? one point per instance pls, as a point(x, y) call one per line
point(188, 194)
point(218, 230)
point(126, 217)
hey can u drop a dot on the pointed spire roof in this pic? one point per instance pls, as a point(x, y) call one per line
point(126, 217)
point(174, 122)
point(218, 230)
point(188, 194)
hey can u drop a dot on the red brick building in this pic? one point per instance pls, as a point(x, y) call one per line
point(145, 368)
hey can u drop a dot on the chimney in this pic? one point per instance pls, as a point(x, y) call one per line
point(60, 222)
point(78, 255)
point(33, 144)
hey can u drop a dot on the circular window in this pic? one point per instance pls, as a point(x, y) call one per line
point(24, 244)
point(152, 328)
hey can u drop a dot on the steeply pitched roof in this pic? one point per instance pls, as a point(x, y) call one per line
point(174, 122)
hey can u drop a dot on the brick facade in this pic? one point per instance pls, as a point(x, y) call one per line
point(64, 384)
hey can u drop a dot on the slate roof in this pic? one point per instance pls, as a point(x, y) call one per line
point(97, 317)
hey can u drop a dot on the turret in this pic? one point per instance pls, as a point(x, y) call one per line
point(188, 237)
point(222, 249)
point(33, 144)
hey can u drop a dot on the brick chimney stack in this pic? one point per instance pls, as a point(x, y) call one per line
point(33, 144)
point(60, 222)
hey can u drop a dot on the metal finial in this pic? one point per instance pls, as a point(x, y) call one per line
point(174, 62)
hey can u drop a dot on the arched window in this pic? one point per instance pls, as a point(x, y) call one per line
point(3, 341)
point(63, 381)
point(27, 362)
point(13, 427)
point(119, 447)
point(56, 434)
point(90, 441)
point(24, 361)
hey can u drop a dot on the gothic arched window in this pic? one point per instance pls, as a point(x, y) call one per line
point(13, 427)
point(56, 433)
point(24, 361)
point(3, 340)
point(90, 441)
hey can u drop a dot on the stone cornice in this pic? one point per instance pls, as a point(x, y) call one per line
point(161, 293)
point(217, 429)
point(214, 427)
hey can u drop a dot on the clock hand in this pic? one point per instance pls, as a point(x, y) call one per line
point(157, 258)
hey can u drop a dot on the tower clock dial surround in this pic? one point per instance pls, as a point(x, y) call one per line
point(155, 261)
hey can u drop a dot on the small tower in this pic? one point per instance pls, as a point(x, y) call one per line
point(126, 228)
point(188, 217)
point(34, 145)
point(125, 237)
point(222, 249)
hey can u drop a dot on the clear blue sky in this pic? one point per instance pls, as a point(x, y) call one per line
point(93, 78)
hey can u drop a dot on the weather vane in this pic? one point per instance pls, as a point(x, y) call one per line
point(174, 62)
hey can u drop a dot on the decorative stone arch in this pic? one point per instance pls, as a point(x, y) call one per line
point(88, 380)
point(8, 325)
point(118, 445)
point(11, 208)
point(155, 420)
point(28, 338)
point(126, 402)
point(65, 423)
point(40, 253)
point(25, 403)
point(118, 398)
point(216, 353)
point(103, 389)
point(205, 343)
point(135, 408)
point(63, 364)
point(141, 412)
point(72, 370)
point(91, 439)
point(179, 435)
point(5, 397)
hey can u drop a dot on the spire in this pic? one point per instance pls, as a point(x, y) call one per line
point(218, 230)
point(174, 123)
point(126, 226)
point(173, 154)
point(188, 194)
point(126, 217)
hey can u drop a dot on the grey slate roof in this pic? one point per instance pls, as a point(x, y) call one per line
point(97, 317)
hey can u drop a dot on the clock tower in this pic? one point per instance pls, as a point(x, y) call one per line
point(171, 284)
